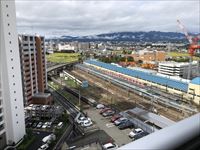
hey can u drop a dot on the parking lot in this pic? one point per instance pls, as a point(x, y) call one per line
point(120, 136)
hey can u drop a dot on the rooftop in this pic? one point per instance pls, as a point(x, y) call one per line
point(196, 81)
point(181, 85)
point(176, 64)
point(144, 115)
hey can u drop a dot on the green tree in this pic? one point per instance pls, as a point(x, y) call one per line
point(130, 59)
point(140, 61)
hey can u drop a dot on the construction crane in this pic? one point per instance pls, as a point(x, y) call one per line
point(194, 45)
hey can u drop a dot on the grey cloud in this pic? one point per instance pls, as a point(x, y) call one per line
point(55, 18)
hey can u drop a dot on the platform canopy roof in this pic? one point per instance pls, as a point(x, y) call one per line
point(152, 77)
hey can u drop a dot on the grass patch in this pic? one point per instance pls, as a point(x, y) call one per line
point(29, 138)
point(63, 57)
point(178, 54)
point(71, 83)
point(54, 85)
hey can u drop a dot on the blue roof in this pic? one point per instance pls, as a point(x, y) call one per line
point(196, 81)
point(179, 85)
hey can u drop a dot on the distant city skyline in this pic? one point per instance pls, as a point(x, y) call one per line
point(79, 18)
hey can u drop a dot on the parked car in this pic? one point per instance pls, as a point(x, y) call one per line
point(104, 110)
point(138, 136)
point(34, 124)
point(100, 106)
point(49, 138)
point(120, 121)
point(44, 147)
point(115, 117)
point(108, 113)
point(82, 119)
point(135, 132)
point(28, 125)
point(86, 123)
point(110, 146)
point(45, 125)
point(125, 125)
point(49, 124)
point(60, 125)
point(39, 125)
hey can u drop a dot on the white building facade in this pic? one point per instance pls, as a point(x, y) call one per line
point(177, 69)
point(12, 124)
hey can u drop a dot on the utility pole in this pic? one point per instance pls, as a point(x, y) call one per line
point(79, 99)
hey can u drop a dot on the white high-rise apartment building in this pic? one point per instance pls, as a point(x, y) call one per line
point(12, 123)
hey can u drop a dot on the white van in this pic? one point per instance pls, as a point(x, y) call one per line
point(60, 125)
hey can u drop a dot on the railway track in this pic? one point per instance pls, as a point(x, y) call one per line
point(74, 92)
point(73, 110)
point(163, 100)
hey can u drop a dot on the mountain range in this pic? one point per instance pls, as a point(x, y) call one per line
point(152, 36)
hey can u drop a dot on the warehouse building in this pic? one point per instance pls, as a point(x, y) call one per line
point(189, 89)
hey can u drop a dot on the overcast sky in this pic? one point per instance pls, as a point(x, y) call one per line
point(87, 17)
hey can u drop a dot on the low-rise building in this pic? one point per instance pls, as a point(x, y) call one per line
point(147, 56)
point(66, 48)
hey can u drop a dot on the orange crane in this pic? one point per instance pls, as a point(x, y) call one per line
point(194, 45)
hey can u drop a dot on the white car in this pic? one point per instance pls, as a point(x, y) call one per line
point(135, 132)
point(82, 119)
point(39, 125)
point(110, 146)
point(100, 106)
point(86, 123)
point(45, 125)
point(44, 147)
point(49, 138)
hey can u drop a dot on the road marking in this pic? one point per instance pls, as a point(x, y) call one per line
point(110, 125)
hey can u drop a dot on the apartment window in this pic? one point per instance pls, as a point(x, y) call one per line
point(1, 118)
point(1, 127)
